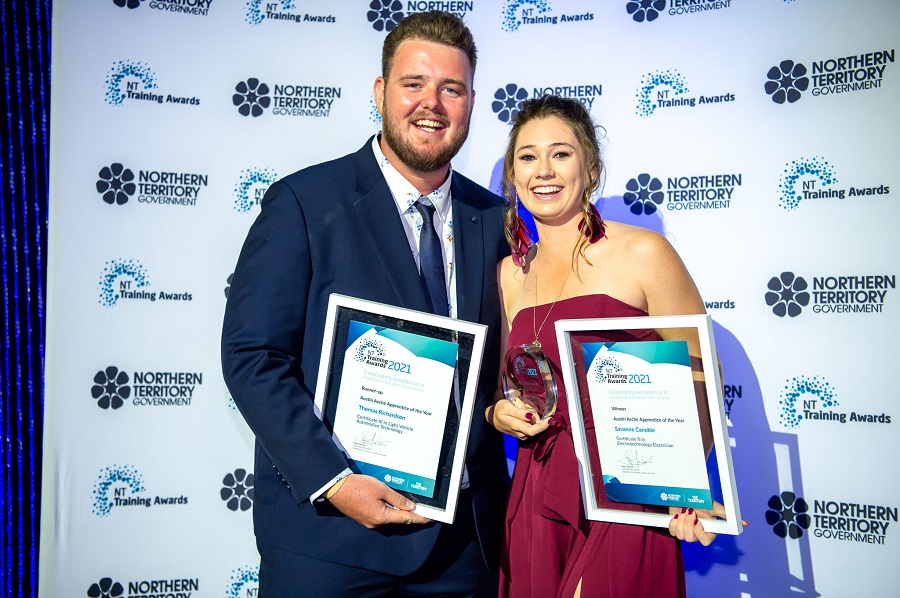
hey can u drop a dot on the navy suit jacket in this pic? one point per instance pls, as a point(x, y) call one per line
point(335, 228)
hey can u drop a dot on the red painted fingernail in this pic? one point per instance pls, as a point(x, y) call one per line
point(683, 509)
point(690, 511)
point(696, 522)
point(676, 516)
point(528, 416)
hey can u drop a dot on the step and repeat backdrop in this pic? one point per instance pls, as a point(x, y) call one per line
point(759, 136)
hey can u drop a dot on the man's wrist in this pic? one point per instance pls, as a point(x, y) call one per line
point(337, 485)
point(319, 495)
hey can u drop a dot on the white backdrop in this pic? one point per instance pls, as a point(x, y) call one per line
point(739, 129)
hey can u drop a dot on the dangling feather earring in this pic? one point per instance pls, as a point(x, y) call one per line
point(519, 237)
point(598, 229)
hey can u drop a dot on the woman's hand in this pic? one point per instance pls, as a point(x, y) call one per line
point(516, 419)
point(686, 525)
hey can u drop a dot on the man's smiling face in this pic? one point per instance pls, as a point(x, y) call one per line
point(426, 104)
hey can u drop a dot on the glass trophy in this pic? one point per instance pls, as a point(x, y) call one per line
point(528, 382)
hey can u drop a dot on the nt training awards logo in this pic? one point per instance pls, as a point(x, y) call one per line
point(140, 82)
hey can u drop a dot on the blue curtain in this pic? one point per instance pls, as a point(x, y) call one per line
point(24, 130)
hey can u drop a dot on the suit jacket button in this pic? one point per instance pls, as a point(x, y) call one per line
point(474, 218)
point(445, 472)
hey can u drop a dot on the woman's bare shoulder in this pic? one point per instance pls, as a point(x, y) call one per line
point(509, 277)
point(636, 240)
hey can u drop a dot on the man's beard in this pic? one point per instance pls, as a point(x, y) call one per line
point(430, 159)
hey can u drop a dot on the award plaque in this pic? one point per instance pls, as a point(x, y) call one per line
point(645, 402)
point(396, 389)
point(528, 382)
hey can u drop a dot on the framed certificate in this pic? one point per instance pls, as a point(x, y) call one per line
point(396, 389)
point(648, 420)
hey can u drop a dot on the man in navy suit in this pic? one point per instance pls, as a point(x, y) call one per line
point(354, 226)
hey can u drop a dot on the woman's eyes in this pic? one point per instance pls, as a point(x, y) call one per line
point(561, 155)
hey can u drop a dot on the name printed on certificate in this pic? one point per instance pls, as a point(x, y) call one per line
point(648, 428)
point(392, 405)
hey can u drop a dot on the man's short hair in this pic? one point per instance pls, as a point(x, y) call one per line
point(434, 26)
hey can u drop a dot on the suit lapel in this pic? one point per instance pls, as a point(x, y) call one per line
point(468, 242)
point(375, 207)
point(468, 229)
point(377, 210)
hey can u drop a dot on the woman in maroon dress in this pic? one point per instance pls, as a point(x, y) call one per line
point(581, 267)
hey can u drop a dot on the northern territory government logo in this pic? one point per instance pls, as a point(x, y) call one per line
point(790, 295)
point(814, 180)
point(133, 80)
point(645, 193)
point(113, 388)
point(237, 490)
point(527, 13)
point(788, 81)
point(731, 393)
point(198, 8)
point(253, 97)
point(647, 11)
point(813, 399)
point(108, 587)
point(284, 11)
point(128, 280)
point(384, 15)
point(116, 184)
point(508, 99)
point(667, 89)
point(790, 517)
point(120, 486)
point(251, 186)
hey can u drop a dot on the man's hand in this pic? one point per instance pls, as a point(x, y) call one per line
point(371, 503)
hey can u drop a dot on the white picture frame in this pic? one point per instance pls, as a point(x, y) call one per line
point(701, 327)
point(470, 339)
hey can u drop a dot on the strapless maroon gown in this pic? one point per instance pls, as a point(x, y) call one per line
point(549, 545)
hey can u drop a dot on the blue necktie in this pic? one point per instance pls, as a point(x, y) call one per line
point(431, 260)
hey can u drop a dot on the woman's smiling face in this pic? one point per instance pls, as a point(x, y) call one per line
point(548, 170)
